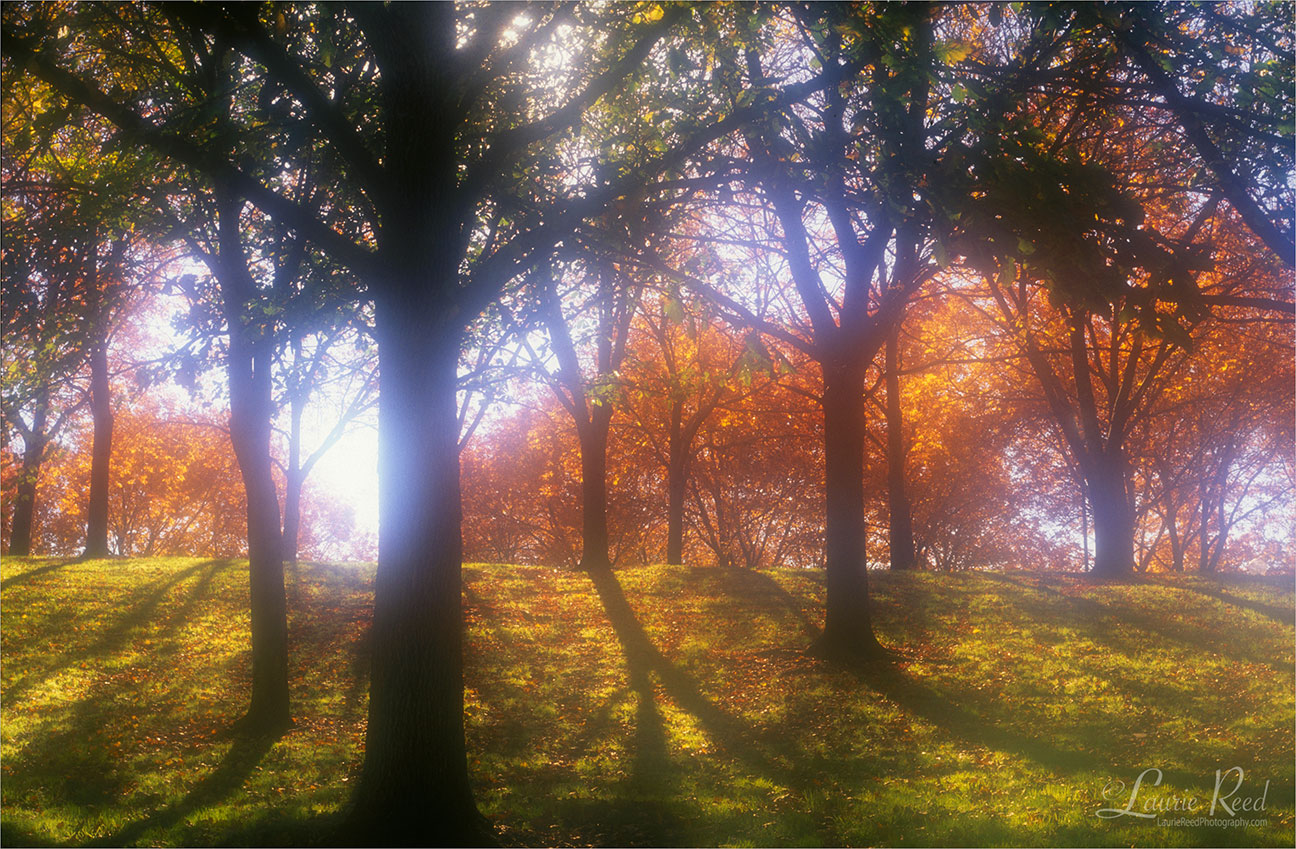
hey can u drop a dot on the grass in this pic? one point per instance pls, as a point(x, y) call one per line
point(662, 706)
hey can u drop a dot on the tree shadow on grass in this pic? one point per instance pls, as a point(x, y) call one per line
point(1281, 615)
point(1096, 742)
point(1056, 607)
point(644, 815)
point(331, 611)
point(140, 610)
point(727, 731)
point(228, 777)
point(770, 590)
point(12, 834)
point(947, 711)
point(33, 574)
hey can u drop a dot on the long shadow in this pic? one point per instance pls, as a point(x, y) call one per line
point(181, 615)
point(643, 818)
point(138, 615)
point(323, 618)
point(27, 577)
point(1281, 615)
point(1061, 607)
point(772, 589)
point(228, 777)
point(727, 731)
point(12, 834)
point(949, 711)
point(944, 711)
point(142, 613)
point(936, 707)
point(595, 726)
point(643, 815)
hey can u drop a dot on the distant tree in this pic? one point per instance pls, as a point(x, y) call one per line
point(683, 365)
point(72, 263)
point(900, 535)
point(324, 351)
point(588, 386)
point(839, 176)
point(45, 347)
point(175, 487)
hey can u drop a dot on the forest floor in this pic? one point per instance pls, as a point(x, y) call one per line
point(664, 706)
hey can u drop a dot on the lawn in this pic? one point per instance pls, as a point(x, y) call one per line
point(664, 705)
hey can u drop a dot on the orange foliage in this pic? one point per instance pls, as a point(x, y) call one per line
point(174, 488)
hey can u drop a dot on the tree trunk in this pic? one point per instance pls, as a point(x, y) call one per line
point(848, 629)
point(293, 482)
point(1084, 522)
point(1113, 517)
point(1212, 501)
point(24, 510)
point(292, 514)
point(96, 539)
point(901, 530)
point(96, 544)
point(594, 511)
point(250, 434)
point(1176, 545)
point(676, 484)
point(251, 411)
point(414, 787)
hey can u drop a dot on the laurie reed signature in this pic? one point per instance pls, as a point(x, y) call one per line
point(1224, 799)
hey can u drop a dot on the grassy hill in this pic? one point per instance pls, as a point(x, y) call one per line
point(666, 705)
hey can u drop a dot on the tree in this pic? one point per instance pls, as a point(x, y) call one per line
point(683, 365)
point(175, 487)
point(1091, 251)
point(811, 164)
point(900, 527)
point(43, 354)
point(1211, 460)
point(322, 348)
point(610, 303)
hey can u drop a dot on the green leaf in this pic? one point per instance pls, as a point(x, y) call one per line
point(1007, 271)
point(940, 253)
point(673, 310)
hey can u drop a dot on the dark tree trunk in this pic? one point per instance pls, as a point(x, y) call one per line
point(901, 530)
point(676, 486)
point(24, 510)
point(96, 544)
point(250, 434)
point(251, 411)
point(1113, 516)
point(1176, 545)
point(1203, 547)
point(1211, 566)
point(1212, 501)
point(848, 629)
point(594, 502)
point(96, 539)
point(414, 787)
